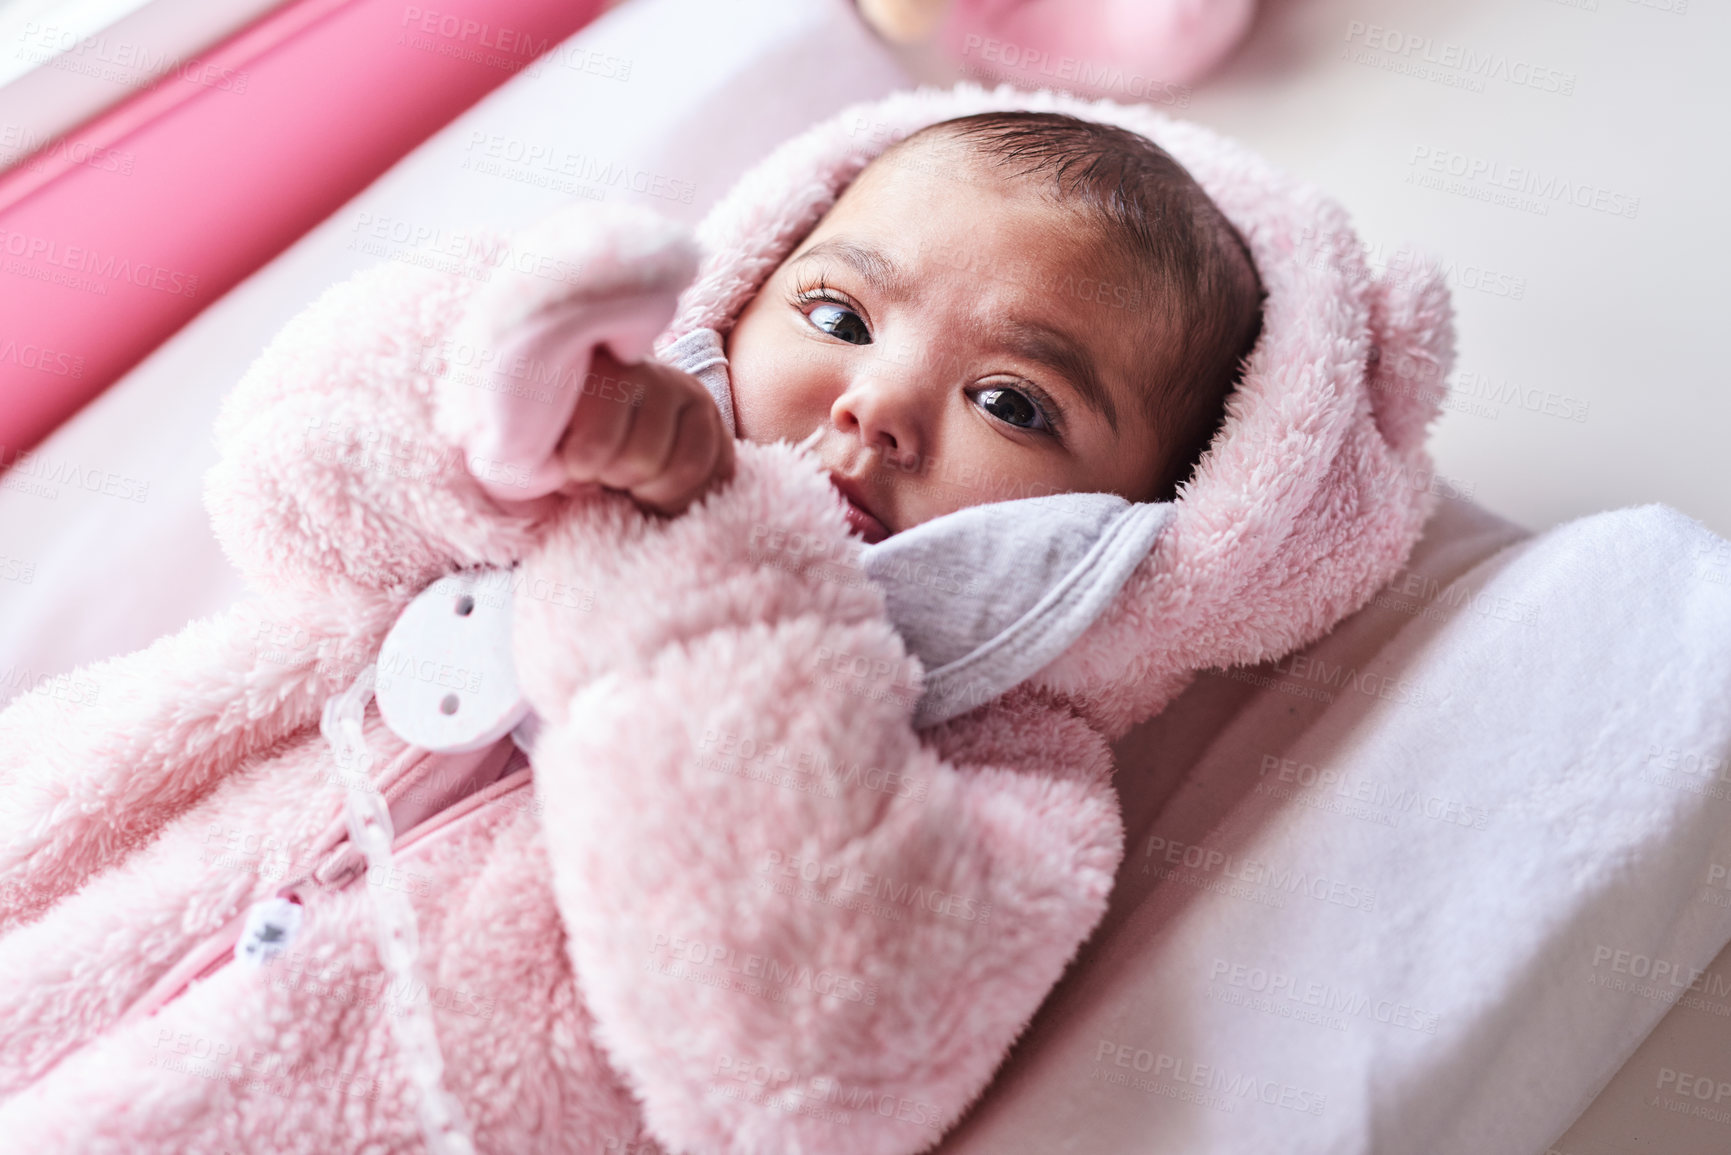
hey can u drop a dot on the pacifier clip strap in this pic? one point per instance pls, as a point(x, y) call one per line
point(446, 682)
point(397, 933)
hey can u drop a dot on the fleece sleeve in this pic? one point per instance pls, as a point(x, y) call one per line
point(798, 925)
point(332, 477)
point(95, 762)
point(402, 425)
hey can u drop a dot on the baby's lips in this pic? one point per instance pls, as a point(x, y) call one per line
point(860, 518)
point(864, 524)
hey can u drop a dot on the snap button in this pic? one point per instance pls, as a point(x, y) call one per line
point(271, 925)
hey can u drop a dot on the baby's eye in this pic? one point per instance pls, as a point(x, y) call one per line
point(840, 321)
point(1011, 406)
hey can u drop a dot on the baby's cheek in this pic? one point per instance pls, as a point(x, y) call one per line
point(772, 403)
point(965, 470)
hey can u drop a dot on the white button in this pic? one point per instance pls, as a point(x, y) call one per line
point(446, 678)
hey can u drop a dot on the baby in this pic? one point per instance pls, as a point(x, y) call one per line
point(1043, 302)
point(745, 755)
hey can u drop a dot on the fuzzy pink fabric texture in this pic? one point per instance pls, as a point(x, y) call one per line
point(748, 907)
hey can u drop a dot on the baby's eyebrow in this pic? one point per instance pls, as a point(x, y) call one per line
point(1058, 351)
point(879, 271)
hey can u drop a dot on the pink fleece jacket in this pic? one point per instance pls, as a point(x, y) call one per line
point(741, 904)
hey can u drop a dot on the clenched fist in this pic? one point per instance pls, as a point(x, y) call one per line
point(648, 429)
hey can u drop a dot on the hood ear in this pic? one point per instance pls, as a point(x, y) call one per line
point(1413, 350)
point(1317, 484)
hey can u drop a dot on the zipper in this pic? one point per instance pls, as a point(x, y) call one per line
point(342, 862)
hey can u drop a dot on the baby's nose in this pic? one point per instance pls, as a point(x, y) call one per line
point(884, 410)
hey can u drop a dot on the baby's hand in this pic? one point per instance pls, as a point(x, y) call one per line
point(648, 429)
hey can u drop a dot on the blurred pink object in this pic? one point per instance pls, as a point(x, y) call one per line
point(1148, 50)
point(1139, 49)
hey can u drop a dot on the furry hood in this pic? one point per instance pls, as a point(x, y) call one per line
point(1307, 501)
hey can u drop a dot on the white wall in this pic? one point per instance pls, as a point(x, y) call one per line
point(1615, 320)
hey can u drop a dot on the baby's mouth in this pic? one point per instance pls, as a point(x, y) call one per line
point(859, 519)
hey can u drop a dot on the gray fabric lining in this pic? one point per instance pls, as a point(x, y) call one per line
point(700, 354)
point(989, 595)
point(1041, 570)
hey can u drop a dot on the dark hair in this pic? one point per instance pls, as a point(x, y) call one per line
point(1195, 264)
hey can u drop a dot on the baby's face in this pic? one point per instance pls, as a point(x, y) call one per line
point(955, 339)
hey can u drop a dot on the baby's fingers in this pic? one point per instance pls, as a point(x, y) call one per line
point(702, 454)
point(601, 423)
point(648, 444)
